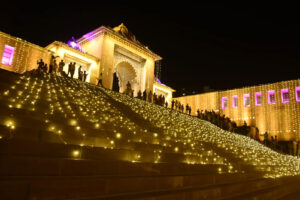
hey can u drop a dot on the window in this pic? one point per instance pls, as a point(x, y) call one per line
point(285, 97)
point(224, 102)
point(8, 55)
point(271, 97)
point(297, 93)
point(258, 99)
point(235, 101)
point(246, 100)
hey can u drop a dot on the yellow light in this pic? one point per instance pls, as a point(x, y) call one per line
point(75, 153)
point(176, 149)
point(73, 122)
point(118, 135)
point(52, 128)
point(10, 124)
point(77, 128)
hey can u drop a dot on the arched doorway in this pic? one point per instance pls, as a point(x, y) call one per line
point(125, 73)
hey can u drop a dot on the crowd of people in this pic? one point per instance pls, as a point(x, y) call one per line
point(55, 68)
point(180, 107)
point(152, 98)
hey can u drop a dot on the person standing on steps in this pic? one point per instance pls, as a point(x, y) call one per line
point(100, 80)
point(84, 76)
point(61, 67)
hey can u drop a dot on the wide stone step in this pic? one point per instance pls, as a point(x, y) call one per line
point(149, 187)
point(283, 189)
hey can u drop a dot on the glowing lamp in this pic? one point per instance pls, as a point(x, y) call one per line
point(75, 153)
point(176, 149)
point(118, 135)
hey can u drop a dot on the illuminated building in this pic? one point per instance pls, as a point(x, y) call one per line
point(272, 108)
point(161, 89)
point(104, 52)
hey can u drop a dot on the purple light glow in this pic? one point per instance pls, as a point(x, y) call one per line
point(90, 36)
point(271, 97)
point(298, 94)
point(247, 100)
point(235, 101)
point(285, 95)
point(160, 82)
point(74, 45)
point(8, 55)
point(224, 103)
point(258, 99)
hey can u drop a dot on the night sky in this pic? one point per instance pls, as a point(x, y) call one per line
point(221, 46)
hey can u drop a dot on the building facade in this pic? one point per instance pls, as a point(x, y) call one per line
point(272, 108)
point(104, 53)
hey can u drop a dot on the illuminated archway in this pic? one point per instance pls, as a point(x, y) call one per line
point(126, 73)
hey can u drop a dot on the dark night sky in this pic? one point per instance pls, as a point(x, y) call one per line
point(222, 46)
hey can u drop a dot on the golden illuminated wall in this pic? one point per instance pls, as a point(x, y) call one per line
point(279, 119)
point(25, 54)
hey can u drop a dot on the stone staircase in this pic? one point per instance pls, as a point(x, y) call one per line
point(64, 139)
point(32, 170)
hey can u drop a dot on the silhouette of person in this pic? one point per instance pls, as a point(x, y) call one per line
point(40, 65)
point(116, 86)
point(54, 66)
point(79, 73)
point(145, 95)
point(70, 68)
point(61, 66)
point(51, 64)
point(73, 66)
point(265, 137)
point(172, 104)
point(128, 90)
point(139, 94)
point(85, 75)
point(45, 68)
point(100, 80)
point(187, 108)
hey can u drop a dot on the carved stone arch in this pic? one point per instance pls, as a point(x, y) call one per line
point(128, 62)
point(126, 73)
